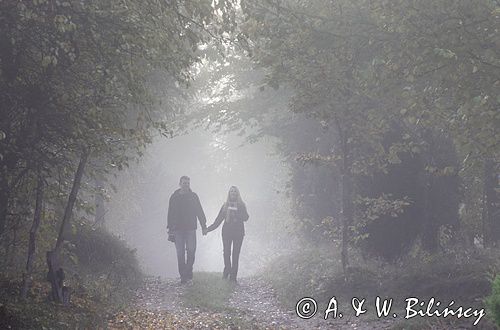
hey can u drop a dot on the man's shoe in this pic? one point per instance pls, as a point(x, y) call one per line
point(184, 280)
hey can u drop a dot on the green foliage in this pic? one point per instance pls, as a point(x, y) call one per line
point(461, 275)
point(372, 208)
point(493, 301)
point(97, 250)
point(361, 67)
point(100, 269)
point(302, 274)
point(88, 78)
point(316, 272)
point(90, 81)
point(38, 313)
point(104, 266)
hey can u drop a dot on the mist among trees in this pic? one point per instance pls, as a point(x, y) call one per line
point(362, 135)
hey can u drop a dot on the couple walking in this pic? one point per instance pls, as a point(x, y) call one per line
point(183, 210)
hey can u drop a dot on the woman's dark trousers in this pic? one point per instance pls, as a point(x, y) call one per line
point(231, 261)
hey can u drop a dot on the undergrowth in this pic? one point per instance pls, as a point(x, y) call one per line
point(493, 301)
point(464, 277)
point(101, 271)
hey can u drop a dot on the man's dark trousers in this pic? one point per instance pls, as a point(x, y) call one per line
point(185, 244)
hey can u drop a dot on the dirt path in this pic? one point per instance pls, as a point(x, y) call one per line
point(257, 301)
point(254, 304)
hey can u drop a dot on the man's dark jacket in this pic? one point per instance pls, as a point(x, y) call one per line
point(183, 209)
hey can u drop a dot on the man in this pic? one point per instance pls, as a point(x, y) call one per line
point(183, 210)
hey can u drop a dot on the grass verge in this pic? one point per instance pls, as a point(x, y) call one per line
point(208, 291)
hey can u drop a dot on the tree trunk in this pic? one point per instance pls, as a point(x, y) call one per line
point(347, 215)
point(100, 211)
point(430, 225)
point(347, 206)
point(430, 232)
point(68, 212)
point(12, 251)
point(7, 184)
point(55, 276)
point(33, 232)
point(4, 205)
point(491, 204)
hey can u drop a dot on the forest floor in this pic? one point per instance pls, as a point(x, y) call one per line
point(251, 304)
point(209, 302)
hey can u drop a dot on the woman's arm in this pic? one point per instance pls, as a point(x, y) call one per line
point(220, 217)
point(244, 214)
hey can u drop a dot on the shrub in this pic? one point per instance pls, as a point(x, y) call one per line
point(104, 266)
point(317, 272)
point(102, 252)
point(493, 301)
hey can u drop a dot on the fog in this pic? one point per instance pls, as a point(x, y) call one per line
point(137, 211)
point(362, 135)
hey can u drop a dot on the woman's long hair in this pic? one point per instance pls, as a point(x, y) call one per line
point(238, 197)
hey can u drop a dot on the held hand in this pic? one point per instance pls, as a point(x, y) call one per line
point(171, 237)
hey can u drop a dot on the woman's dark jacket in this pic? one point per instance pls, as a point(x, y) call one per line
point(234, 227)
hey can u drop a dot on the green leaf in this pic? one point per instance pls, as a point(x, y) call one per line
point(477, 99)
point(46, 60)
point(449, 170)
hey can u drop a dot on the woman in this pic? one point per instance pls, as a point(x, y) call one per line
point(233, 212)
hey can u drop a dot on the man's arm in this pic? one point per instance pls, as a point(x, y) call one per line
point(200, 214)
point(170, 214)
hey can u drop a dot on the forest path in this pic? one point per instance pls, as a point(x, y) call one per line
point(257, 301)
point(252, 305)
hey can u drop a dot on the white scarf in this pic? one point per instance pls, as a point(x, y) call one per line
point(231, 209)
